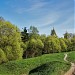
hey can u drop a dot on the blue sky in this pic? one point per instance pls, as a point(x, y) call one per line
point(43, 14)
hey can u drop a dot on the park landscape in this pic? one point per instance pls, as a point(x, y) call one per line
point(23, 53)
point(47, 48)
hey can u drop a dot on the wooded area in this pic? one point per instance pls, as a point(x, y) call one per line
point(16, 44)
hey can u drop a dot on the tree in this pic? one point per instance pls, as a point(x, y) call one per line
point(2, 56)
point(52, 45)
point(66, 35)
point(43, 37)
point(63, 45)
point(24, 35)
point(73, 43)
point(68, 44)
point(34, 48)
point(10, 41)
point(53, 33)
point(33, 30)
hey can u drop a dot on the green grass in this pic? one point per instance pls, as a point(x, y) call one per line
point(71, 56)
point(50, 68)
point(24, 66)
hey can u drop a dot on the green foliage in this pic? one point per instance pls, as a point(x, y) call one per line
point(52, 44)
point(63, 45)
point(8, 52)
point(2, 56)
point(66, 35)
point(43, 37)
point(34, 47)
point(73, 43)
point(10, 41)
point(68, 44)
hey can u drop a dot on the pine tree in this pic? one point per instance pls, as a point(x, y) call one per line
point(53, 32)
point(24, 35)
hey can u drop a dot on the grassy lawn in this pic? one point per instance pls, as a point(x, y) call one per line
point(71, 56)
point(19, 67)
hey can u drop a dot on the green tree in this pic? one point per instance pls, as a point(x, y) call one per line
point(34, 48)
point(2, 56)
point(24, 35)
point(68, 44)
point(33, 32)
point(53, 33)
point(43, 37)
point(10, 41)
point(66, 35)
point(63, 45)
point(73, 43)
point(52, 45)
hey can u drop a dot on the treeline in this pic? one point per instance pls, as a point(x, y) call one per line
point(35, 44)
point(16, 44)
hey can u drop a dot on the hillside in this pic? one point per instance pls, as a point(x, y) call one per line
point(48, 64)
point(71, 56)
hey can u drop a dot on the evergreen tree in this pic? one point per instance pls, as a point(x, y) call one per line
point(24, 35)
point(53, 32)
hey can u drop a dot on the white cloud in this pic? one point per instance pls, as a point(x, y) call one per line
point(45, 20)
point(33, 7)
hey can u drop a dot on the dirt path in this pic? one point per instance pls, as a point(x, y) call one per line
point(71, 71)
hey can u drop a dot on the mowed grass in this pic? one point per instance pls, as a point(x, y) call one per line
point(71, 56)
point(24, 66)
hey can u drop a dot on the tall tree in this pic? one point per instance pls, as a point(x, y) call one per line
point(10, 41)
point(33, 32)
point(34, 48)
point(24, 35)
point(66, 35)
point(53, 32)
point(51, 45)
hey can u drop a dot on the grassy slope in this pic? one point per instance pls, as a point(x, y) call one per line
point(20, 67)
point(51, 68)
point(71, 56)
